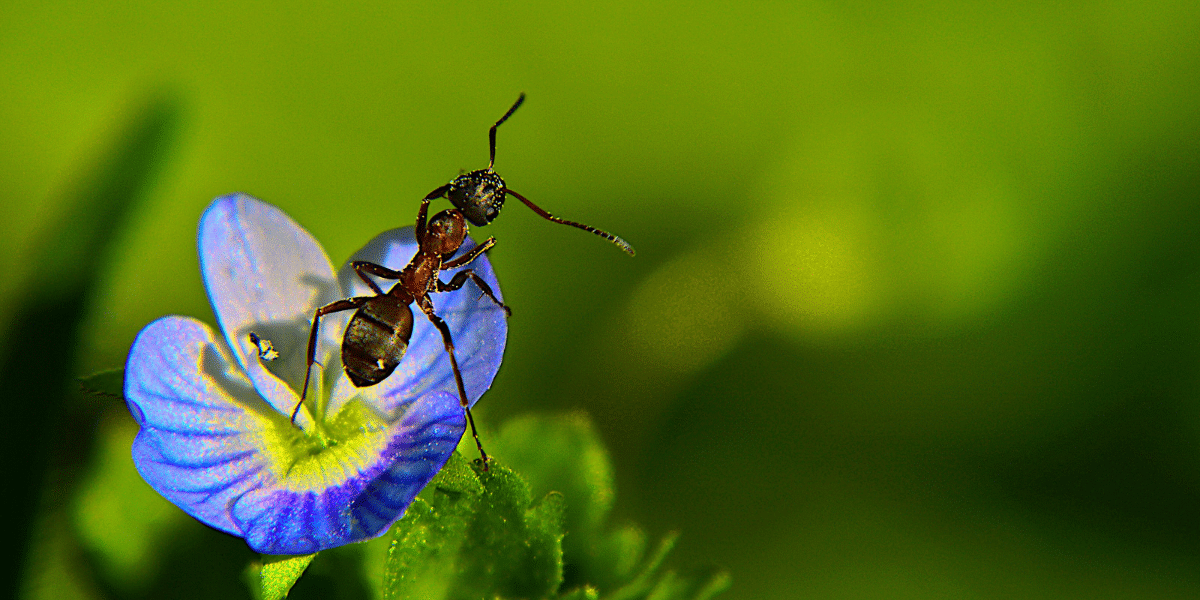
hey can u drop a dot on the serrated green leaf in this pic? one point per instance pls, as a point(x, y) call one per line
point(424, 554)
point(109, 384)
point(478, 534)
point(474, 533)
point(513, 550)
point(274, 577)
point(564, 453)
point(544, 526)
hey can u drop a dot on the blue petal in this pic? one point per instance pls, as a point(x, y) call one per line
point(299, 519)
point(199, 415)
point(478, 327)
point(265, 274)
point(212, 446)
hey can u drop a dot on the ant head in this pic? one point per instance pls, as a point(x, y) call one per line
point(479, 195)
point(445, 232)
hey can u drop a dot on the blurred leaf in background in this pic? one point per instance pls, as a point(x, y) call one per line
point(41, 354)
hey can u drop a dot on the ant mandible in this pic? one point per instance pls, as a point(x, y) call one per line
point(377, 336)
point(480, 194)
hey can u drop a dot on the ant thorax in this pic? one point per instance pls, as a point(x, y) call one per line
point(445, 233)
point(479, 195)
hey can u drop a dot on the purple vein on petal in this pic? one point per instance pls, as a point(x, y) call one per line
point(319, 510)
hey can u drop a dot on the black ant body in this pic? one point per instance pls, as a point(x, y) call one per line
point(480, 194)
point(378, 333)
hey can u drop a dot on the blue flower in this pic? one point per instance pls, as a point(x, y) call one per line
point(216, 438)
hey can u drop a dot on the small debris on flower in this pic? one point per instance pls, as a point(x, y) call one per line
point(266, 351)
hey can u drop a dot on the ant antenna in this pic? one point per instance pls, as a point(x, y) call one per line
point(492, 131)
point(480, 194)
point(622, 244)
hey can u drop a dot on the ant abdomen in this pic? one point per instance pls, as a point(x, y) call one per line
point(376, 338)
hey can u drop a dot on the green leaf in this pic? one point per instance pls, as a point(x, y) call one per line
point(515, 550)
point(274, 577)
point(38, 362)
point(564, 454)
point(652, 583)
point(710, 584)
point(474, 533)
point(426, 543)
point(109, 384)
point(478, 534)
point(616, 557)
point(648, 577)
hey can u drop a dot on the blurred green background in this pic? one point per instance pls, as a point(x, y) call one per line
point(915, 311)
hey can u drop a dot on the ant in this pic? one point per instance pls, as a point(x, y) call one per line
point(479, 195)
point(377, 336)
point(378, 333)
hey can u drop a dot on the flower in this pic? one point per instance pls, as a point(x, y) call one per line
point(215, 435)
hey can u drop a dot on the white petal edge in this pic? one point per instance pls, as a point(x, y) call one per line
point(267, 275)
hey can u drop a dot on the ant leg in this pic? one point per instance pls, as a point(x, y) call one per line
point(363, 267)
point(470, 256)
point(332, 307)
point(423, 212)
point(461, 277)
point(426, 307)
point(622, 244)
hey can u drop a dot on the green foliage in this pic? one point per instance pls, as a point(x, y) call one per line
point(565, 453)
point(40, 357)
point(274, 577)
point(109, 384)
point(475, 533)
